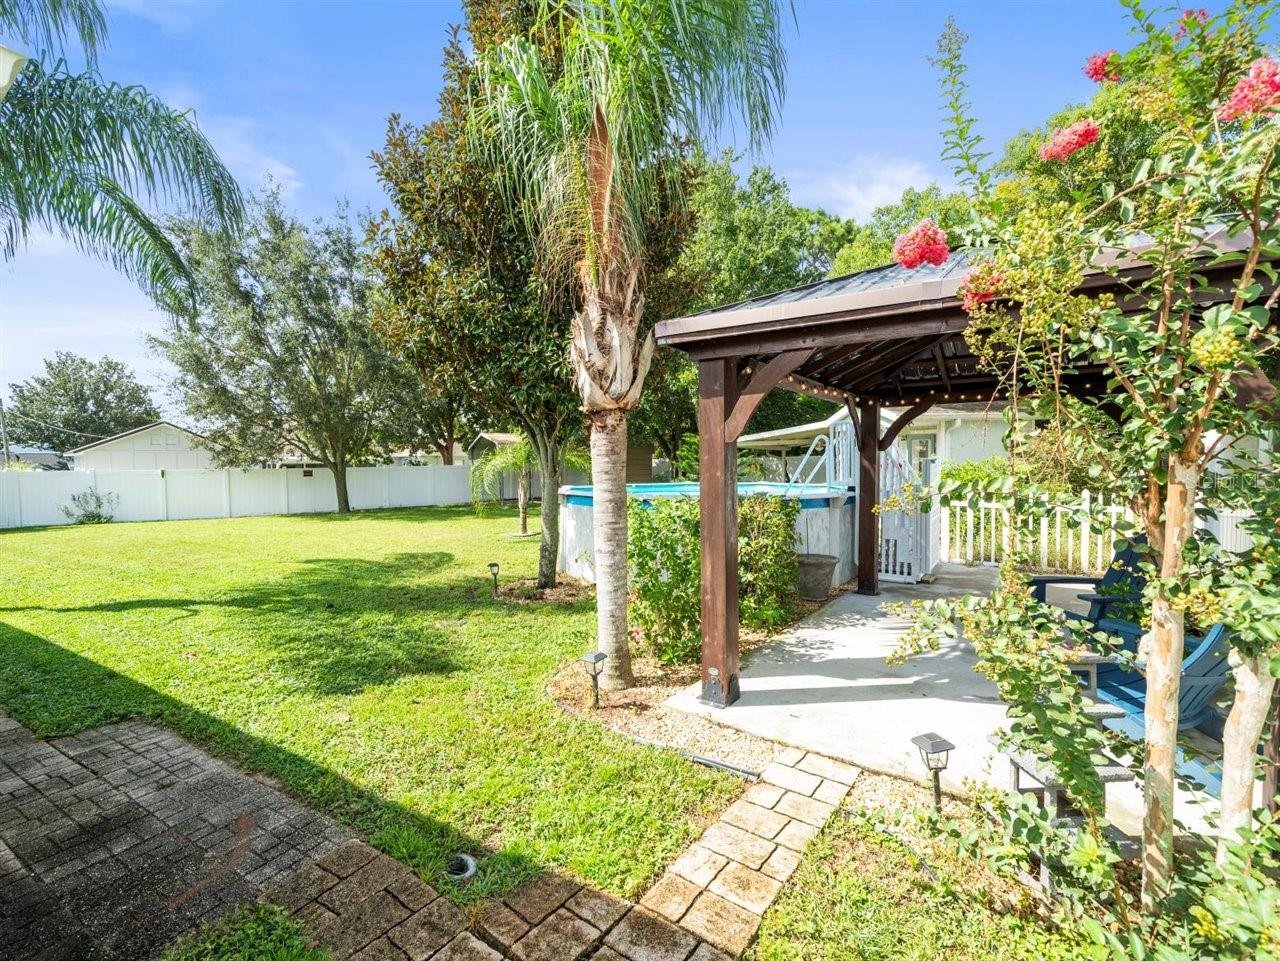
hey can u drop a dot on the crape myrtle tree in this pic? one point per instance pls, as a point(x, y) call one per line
point(1171, 169)
point(75, 400)
point(584, 138)
point(460, 294)
point(280, 353)
point(85, 158)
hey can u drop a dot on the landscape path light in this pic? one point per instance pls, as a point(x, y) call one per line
point(935, 751)
point(593, 664)
point(493, 569)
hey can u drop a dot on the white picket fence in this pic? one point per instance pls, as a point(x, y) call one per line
point(1061, 541)
point(36, 498)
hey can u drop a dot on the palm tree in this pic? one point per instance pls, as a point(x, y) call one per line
point(586, 118)
point(520, 458)
point(85, 158)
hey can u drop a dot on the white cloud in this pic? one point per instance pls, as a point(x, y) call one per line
point(171, 16)
point(235, 138)
point(864, 183)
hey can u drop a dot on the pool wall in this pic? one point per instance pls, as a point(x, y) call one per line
point(825, 523)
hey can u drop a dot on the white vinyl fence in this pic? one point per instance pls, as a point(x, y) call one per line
point(1061, 541)
point(36, 498)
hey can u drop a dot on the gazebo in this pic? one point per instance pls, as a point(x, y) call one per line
point(882, 337)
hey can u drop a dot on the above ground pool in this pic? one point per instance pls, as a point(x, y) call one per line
point(824, 524)
point(810, 495)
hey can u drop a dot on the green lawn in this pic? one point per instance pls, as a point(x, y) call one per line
point(864, 893)
point(362, 662)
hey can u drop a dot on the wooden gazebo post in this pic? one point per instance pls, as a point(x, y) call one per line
point(718, 500)
point(723, 412)
point(868, 427)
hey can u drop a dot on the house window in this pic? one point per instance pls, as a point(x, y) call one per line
point(921, 451)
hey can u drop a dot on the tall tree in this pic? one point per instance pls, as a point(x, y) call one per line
point(280, 352)
point(745, 239)
point(77, 399)
point(589, 140)
point(417, 418)
point(85, 158)
point(461, 299)
point(750, 239)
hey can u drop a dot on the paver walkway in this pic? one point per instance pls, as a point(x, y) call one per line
point(361, 905)
point(117, 840)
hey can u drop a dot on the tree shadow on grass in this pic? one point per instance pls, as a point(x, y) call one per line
point(333, 625)
point(53, 691)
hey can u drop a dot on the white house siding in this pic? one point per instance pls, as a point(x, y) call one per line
point(972, 439)
point(160, 446)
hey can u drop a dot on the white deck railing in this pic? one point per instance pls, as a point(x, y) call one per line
point(1061, 540)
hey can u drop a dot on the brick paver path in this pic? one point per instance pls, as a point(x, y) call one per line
point(115, 841)
point(361, 905)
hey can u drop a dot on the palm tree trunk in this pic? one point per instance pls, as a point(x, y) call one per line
point(1254, 685)
point(522, 499)
point(1164, 655)
point(609, 520)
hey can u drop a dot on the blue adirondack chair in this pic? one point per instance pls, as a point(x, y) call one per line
point(1121, 582)
point(1204, 671)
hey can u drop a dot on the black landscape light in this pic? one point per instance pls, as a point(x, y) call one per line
point(935, 751)
point(493, 569)
point(593, 664)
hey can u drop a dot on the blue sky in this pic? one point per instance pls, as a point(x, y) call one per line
point(300, 91)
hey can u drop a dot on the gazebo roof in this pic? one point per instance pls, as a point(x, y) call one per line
point(889, 335)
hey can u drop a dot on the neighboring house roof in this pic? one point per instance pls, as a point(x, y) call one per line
point(30, 450)
point(496, 438)
point(803, 434)
point(129, 433)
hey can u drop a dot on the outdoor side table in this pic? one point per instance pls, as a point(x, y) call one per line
point(1050, 793)
point(1084, 662)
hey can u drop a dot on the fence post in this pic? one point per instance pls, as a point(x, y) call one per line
point(386, 485)
point(226, 491)
point(944, 540)
point(1044, 536)
point(1085, 563)
point(284, 487)
point(164, 495)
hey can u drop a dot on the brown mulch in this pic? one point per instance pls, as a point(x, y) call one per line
point(568, 590)
point(641, 712)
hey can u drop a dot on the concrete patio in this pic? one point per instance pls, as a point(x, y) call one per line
point(825, 687)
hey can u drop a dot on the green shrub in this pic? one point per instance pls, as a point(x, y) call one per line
point(91, 507)
point(974, 471)
point(664, 558)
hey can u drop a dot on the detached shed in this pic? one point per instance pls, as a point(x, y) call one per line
point(151, 447)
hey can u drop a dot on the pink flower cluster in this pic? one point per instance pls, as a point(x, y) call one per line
point(1103, 66)
point(926, 242)
point(1255, 92)
point(978, 289)
point(1189, 17)
point(1070, 139)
